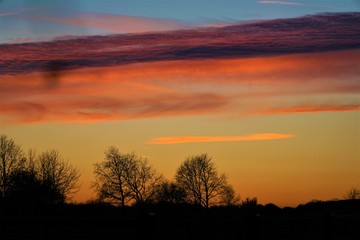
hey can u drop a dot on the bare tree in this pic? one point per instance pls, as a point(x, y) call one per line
point(201, 180)
point(44, 179)
point(30, 163)
point(57, 174)
point(125, 179)
point(11, 161)
point(111, 184)
point(352, 194)
point(142, 180)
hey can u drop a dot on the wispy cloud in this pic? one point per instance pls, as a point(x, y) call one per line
point(104, 109)
point(282, 3)
point(302, 4)
point(314, 108)
point(15, 12)
point(202, 139)
point(115, 23)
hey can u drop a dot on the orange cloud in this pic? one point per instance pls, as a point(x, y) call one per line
point(194, 139)
point(315, 108)
point(97, 95)
point(288, 84)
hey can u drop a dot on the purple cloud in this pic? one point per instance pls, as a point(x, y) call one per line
point(317, 33)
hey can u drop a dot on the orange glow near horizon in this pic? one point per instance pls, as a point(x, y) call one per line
point(214, 106)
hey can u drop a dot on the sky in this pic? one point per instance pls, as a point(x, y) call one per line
point(269, 89)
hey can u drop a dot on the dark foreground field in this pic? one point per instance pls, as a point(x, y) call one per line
point(334, 220)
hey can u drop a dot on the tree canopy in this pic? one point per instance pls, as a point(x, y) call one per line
point(125, 179)
point(204, 185)
point(11, 161)
point(34, 179)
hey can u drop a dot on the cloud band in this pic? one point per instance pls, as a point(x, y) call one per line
point(319, 33)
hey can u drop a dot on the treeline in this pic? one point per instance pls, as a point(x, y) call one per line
point(40, 179)
point(121, 179)
point(127, 179)
point(34, 179)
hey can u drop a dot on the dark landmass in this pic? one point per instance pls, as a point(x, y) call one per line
point(314, 220)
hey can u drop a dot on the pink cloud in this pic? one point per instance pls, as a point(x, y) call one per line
point(115, 23)
point(197, 139)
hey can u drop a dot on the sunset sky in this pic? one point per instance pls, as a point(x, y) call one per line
point(269, 89)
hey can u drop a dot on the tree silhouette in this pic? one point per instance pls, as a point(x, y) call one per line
point(170, 193)
point(57, 175)
point(27, 191)
point(111, 177)
point(352, 194)
point(249, 203)
point(142, 180)
point(11, 161)
point(125, 179)
point(28, 179)
point(199, 177)
point(229, 198)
